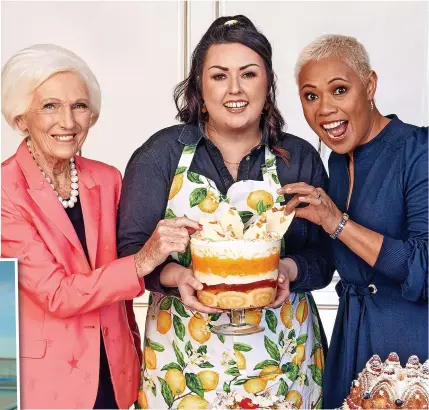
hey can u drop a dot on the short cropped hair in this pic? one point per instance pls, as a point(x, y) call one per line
point(348, 49)
point(32, 66)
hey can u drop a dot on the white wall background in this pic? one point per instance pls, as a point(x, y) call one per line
point(140, 50)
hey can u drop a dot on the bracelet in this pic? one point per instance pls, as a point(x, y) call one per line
point(340, 226)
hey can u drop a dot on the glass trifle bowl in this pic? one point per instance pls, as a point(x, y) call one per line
point(237, 274)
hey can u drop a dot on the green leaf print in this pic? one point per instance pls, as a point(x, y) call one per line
point(180, 308)
point(195, 178)
point(264, 170)
point(283, 388)
point(232, 363)
point(154, 345)
point(185, 259)
point(188, 348)
point(301, 339)
point(315, 347)
point(271, 320)
point(240, 382)
point(197, 196)
point(137, 405)
point(317, 334)
point(272, 348)
point(226, 387)
point(223, 198)
point(291, 334)
point(179, 327)
point(242, 347)
point(260, 207)
point(266, 363)
point(245, 215)
point(205, 365)
point(166, 392)
point(275, 179)
point(281, 339)
point(280, 198)
point(316, 374)
point(301, 296)
point(194, 384)
point(169, 214)
point(291, 371)
point(312, 305)
point(189, 149)
point(270, 162)
point(202, 349)
point(180, 170)
point(221, 338)
point(214, 316)
point(233, 371)
point(172, 365)
point(179, 355)
point(165, 303)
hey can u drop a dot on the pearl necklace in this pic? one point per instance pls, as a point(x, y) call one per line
point(66, 203)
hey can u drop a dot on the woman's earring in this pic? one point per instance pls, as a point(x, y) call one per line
point(267, 106)
point(204, 109)
point(372, 105)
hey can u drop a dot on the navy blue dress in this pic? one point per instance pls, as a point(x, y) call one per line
point(390, 196)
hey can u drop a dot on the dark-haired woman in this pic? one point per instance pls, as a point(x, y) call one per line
point(230, 145)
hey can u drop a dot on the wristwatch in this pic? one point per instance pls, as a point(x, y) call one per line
point(340, 226)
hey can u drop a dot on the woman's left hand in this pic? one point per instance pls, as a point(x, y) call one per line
point(321, 210)
point(288, 272)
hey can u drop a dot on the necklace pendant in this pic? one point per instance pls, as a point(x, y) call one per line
point(236, 166)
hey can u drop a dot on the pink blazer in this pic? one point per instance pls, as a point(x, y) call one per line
point(63, 300)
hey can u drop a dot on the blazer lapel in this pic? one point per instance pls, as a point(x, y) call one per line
point(89, 192)
point(45, 198)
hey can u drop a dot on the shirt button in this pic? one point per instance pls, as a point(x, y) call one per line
point(248, 158)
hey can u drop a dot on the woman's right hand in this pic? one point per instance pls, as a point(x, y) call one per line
point(170, 235)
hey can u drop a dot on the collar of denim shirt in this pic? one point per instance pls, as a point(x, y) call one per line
point(192, 134)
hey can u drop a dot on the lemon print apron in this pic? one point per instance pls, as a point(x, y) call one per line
point(185, 364)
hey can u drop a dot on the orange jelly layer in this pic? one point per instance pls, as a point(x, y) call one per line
point(245, 287)
point(238, 267)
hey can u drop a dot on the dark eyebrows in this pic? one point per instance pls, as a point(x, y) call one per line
point(241, 68)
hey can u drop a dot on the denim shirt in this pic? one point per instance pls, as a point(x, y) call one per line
point(149, 175)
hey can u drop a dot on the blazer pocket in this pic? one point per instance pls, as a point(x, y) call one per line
point(32, 348)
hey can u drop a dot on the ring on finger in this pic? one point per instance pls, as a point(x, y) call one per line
point(318, 194)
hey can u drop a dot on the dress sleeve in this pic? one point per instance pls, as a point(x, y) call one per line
point(406, 260)
point(46, 282)
point(315, 264)
point(143, 200)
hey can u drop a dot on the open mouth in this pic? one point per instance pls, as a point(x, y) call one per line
point(236, 106)
point(64, 138)
point(336, 130)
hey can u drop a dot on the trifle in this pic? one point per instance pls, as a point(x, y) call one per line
point(238, 268)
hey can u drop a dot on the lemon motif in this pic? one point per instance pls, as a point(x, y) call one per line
point(163, 323)
point(270, 372)
point(260, 195)
point(254, 386)
point(299, 355)
point(150, 358)
point(176, 186)
point(209, 379)
point(302, 311)
point(142, 400)
point(295, 397)
point(253, 317)
point(176, 380)
point(198, 328)
point(286, 314)
point(193, 402)
point(210, 203)
point(240, 359)
point(319, 358)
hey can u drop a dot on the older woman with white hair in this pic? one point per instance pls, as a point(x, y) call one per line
point(78, 348)
point(375, 210)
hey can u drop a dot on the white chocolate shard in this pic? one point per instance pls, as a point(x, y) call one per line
point(277, 221)
point(231, 222)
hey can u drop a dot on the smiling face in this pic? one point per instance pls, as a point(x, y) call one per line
point(59, 117)
point(336, 103)
point(234, 86)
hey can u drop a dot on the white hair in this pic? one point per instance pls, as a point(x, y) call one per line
point(32, 66)
point(348, 49)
